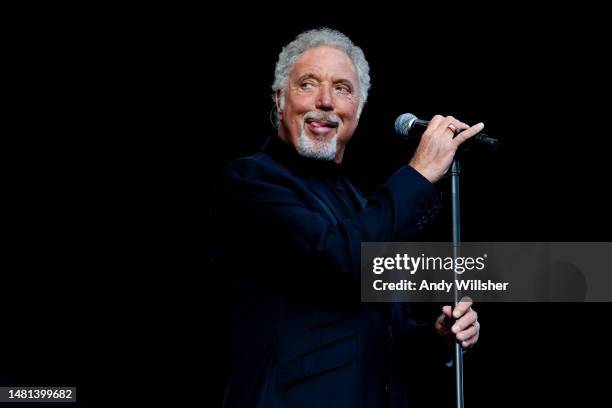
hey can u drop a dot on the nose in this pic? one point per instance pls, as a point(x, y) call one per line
point(325, 99)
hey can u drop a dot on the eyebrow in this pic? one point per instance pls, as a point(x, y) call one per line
point(310, 75)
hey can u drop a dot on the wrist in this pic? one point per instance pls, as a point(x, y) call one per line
point(423, 172)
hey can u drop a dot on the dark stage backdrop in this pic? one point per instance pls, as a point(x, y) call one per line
point(129, 116)
point(539, 86)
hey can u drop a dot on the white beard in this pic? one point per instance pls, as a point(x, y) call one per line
point(314, 147)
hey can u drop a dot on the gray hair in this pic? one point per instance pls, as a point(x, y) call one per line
point(314, 38)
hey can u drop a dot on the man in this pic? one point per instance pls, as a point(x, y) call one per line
point(289, 230)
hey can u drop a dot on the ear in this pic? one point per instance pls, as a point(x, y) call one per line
point(278, 109)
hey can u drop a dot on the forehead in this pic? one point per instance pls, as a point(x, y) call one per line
point(326, 61)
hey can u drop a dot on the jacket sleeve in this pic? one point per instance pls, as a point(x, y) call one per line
point(261, 208)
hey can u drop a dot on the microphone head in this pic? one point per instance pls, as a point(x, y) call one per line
point(404, 123)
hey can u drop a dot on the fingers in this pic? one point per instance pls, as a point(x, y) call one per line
point(467, 333)
point(461, 126)
point(466, 134)
point(462, 306)
point(448, 126)
point(447, 310)
point(438, 145)
point(470, 336)
point(464, 322)
point(466, 328)
point(451, 123)
point(434, 123)
point(469, 342)
point(443, 123)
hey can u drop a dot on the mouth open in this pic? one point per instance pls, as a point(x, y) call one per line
point(320, 127)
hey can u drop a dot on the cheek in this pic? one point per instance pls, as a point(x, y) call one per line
point(348, 108)
point(301, 102)
point(349, 131)
point(350, 118)
point(349, 126)
point(295, 110)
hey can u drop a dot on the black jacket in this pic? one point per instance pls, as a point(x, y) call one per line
point(288, 240)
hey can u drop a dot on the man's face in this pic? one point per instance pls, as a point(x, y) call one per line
point(319, 115)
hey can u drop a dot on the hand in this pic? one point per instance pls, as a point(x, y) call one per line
point(465, 329)
point(438, 145)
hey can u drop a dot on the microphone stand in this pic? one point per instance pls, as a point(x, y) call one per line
point(458, 358)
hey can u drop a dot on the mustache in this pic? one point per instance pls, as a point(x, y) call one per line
point(329, 117)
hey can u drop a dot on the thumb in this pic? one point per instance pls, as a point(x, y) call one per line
point(447, 312)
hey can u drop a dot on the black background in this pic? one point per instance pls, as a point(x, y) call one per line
point(122, 119)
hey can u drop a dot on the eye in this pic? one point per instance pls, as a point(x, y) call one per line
point(343, 89)
point(306, 85)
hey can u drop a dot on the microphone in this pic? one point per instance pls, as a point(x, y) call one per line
point(408, 126)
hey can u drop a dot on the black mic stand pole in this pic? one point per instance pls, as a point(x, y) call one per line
point(458, 358)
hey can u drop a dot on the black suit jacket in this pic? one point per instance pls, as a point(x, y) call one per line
point(290, 258)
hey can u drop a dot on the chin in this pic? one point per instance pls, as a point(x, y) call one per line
point(317, 147)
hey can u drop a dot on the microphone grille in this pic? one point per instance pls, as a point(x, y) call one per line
point(403, 123)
